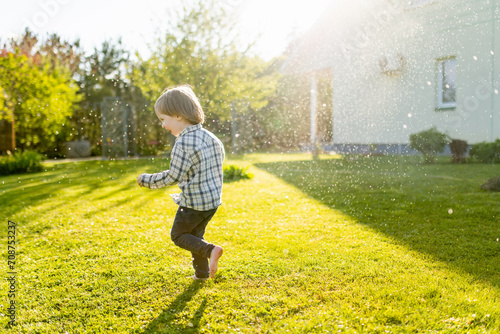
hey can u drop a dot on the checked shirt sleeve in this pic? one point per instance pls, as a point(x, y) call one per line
point(179, 166)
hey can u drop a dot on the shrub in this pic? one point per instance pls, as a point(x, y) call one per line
point(234, 173)
point(21, 162)
point(429, 143)
point(486, 152)
point(458, 149)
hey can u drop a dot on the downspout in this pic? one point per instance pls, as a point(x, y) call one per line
point(492, 108)
point(313, 107)
point(333, 108)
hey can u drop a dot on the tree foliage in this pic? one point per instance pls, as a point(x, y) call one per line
point(55, 92)
point(429, 143)
point(36, 78)
point(52, 51)
point(200, 48)
point(42, 100)
point(102, 75)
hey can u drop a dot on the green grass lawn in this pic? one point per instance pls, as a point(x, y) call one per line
point(351, 244)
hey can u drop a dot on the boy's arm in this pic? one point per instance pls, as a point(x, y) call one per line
point(179, 166)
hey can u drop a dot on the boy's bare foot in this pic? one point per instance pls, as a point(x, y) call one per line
point(214, 260)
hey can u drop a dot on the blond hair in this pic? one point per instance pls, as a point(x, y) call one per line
point(180, 101)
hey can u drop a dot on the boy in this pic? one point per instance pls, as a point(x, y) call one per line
point(196, 166)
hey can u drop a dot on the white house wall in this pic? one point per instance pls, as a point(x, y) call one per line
point(373, 107)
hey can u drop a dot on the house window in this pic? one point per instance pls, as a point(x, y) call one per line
point(417, 3)
point(447, 83)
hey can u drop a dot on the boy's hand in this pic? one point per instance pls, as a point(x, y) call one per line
point(139, 180)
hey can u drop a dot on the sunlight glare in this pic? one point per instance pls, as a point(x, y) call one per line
point(275, 23)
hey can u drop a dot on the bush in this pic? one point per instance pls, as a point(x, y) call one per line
point(429, 143)
point(486, 152)
point(458, 149)
point(21, 162)
point(234, 173)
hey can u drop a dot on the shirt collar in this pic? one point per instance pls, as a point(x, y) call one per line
point(190, 129)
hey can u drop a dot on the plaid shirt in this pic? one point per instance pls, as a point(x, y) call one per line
point(196, 166)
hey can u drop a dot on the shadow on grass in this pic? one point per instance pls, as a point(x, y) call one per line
point(166, 322)
point(97, 180)
point(68, 182)
point(438, 209)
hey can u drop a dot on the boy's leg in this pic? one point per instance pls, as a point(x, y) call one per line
point(200, 262)
point(187, 232)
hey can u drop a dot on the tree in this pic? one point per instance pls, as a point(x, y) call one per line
point(429, 143)
point(7, 134)
point(37, 81)
point(201, 49)
point(53, 51)
point(102, 75)
point(42, 99)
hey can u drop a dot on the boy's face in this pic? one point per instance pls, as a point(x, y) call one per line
point(174, 124)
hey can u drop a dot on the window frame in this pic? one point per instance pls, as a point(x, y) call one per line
point(441, 105)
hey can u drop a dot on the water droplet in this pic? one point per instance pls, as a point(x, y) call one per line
point(429, 83)
point(475, 57)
